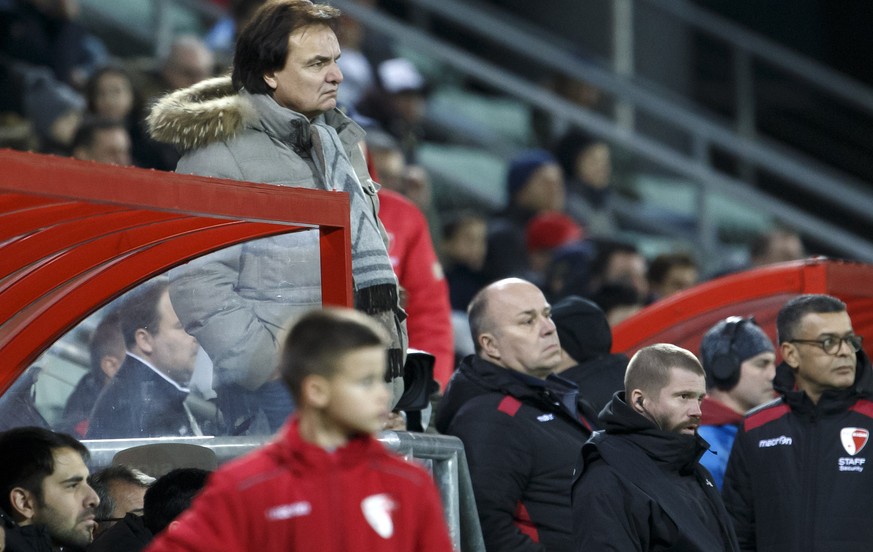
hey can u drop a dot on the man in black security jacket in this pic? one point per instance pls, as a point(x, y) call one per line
point(522, 426)
point(639, 485)
point(799, 476)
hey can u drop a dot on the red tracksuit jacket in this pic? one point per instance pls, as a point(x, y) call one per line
point(292, 495)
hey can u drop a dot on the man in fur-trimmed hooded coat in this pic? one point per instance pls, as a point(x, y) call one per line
point(275, 122)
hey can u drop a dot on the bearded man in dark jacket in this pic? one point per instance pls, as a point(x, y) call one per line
point(640, 485)
point(521, 425)
point(798, 478)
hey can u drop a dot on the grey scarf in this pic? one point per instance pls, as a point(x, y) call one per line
point(374, 279)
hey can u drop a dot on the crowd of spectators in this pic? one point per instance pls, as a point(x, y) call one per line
point(65, 93)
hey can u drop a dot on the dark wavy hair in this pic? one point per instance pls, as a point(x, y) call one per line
point(262, 45)
point(27, 459)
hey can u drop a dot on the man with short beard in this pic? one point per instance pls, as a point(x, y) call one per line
point(44, 489)
point(639, 484)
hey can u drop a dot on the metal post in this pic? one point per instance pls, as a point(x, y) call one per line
point(623, 56)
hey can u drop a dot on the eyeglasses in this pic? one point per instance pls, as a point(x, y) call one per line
point(832, 345)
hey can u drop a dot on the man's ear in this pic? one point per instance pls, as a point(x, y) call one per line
point(488, 344)
point(789, 354)
point(635, 400)
point(109, 365)
point(315, 391)
point(143, 340)
point(270, 79)
point(23, 504)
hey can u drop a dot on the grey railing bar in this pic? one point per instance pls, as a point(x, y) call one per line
point(834, 82)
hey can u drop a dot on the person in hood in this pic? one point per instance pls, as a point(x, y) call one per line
point(798, 477)
point(275, 121)
point(586, 341)
point(521, 425)
point(639, 484)
point(739, 360)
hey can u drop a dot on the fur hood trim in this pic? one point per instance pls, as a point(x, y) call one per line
point(210, 111)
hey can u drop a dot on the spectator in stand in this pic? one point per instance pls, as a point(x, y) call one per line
point(44, 490)
point(146, 398)
point(107, 354)
point(121, 490)
point(587, 165)
point(618, 301)
point(46, 33)
point(545, 233)
point(618, 262)
point(797, 477)
point(586, 343)
point(54, 109)
point(111, 94)
point(397, 175)
point(522, 426)
point(398, 104)
point(287, 495)
point(534, 184)
point(188, 62)
point(569, 270)
point(463, 247)
point(103, 141)
point(547, 128)
point(423, 284)
point(776, 246)
point(739, 360)
point(358, 74)
point(638, 484)
point(669, 273)
point(221, 38)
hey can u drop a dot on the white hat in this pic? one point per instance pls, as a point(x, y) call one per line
point(399, 75)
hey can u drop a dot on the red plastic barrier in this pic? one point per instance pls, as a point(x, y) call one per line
point(682, 319)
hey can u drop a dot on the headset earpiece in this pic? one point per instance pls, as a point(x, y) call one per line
point(725, 364)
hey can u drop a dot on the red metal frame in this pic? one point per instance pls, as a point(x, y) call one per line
point(74, 235)
point(682, 319)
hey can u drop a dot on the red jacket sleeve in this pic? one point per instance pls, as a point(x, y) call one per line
point(419, 271)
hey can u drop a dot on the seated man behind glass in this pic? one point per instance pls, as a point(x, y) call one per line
point(147, 396)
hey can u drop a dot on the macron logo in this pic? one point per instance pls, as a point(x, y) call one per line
point(782, 440)
point(288, 511)
point(546, 417)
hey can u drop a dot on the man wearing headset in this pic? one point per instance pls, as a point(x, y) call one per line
point(639, 484)
point(739, 360)
point(800, 475)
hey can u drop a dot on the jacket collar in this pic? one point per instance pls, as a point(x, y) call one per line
point(830, 401)
point(213, 111)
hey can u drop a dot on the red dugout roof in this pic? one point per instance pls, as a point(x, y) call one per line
point(74, 235)
point(682, 319)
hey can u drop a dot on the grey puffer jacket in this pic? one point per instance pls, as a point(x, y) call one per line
point(238, 302)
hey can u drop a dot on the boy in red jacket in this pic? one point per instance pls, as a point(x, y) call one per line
point(324, 483)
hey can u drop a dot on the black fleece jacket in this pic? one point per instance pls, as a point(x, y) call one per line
point(640, 488)
point(521, 437)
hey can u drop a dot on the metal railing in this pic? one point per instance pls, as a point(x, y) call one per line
point(443, 455)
